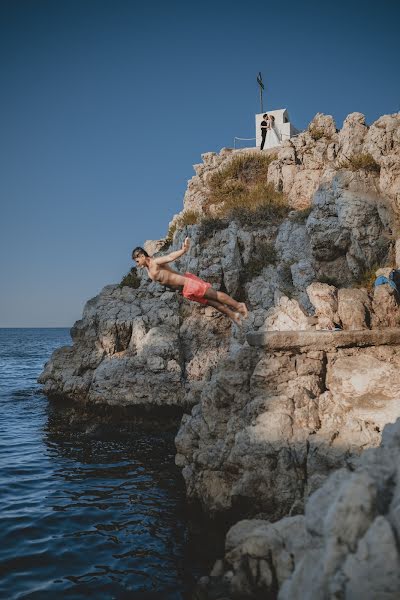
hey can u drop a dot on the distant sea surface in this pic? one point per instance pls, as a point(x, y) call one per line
point(82, 517)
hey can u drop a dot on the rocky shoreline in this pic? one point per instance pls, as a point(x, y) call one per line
point(275, 417)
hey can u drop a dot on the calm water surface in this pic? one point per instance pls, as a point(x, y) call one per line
point(82, 517)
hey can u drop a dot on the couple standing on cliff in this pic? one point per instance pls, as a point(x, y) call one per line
point(192, 287)
point(269, 135)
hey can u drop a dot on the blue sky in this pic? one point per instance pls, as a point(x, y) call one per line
point(105, 107)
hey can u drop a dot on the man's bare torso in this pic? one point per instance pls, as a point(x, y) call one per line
point(165, 275)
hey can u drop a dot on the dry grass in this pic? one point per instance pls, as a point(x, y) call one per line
point(240, 191)
point(239, 176)
point(190, 217)
point(169, 238)
point(316, 132)
point(357, 162)
point(261, 204)
point(368, 277)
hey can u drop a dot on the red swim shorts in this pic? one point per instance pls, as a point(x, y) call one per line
point(195, 288)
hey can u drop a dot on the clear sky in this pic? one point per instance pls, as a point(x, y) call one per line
point(106, 105)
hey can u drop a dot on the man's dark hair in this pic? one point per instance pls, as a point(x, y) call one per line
point(265, 115)
point(138, 250)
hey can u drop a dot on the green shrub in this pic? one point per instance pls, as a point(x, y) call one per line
point(131, 279)
point(357, 162)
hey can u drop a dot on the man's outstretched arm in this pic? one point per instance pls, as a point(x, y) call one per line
point(162, 260)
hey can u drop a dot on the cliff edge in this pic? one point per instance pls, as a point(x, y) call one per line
point(269, 411)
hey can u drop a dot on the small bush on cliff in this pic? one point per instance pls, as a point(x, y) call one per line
point(261, 204)
point(316, 132)
point(210, 225)
point(238, 176)
point(131, 279)
point(264, 255)
point(367, 278)
point(357, 162)
point(169, 238)
point(190, 217)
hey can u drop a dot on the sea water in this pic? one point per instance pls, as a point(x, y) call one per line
point(82, 517)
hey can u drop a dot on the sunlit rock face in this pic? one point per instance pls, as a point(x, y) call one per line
point(147, 346)
point(313, 158)
point(274, 421)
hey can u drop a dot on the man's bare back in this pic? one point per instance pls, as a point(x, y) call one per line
point(193, 287)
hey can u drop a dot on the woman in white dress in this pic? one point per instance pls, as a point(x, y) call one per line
point(272, 138)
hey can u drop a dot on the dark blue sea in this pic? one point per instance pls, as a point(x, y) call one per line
point(82, 516)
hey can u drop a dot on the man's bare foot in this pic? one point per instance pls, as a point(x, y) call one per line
point(242, 309)
point(237, 318)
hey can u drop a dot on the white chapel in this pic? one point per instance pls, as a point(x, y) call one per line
point(282, 128)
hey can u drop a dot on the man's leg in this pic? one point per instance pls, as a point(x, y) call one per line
point(263, 139)
point(235, 316)
point(223, 298)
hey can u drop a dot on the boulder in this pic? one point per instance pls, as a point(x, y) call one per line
point(324, 299)
point(385, 307)
point(287, 315)
point(354, 308)
point(345, 546)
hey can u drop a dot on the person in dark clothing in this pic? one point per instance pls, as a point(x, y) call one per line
point(264, 128)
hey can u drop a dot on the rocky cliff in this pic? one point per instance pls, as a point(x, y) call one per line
point(142, 345)
point(272, 409)
point(273, 421)
point(344, 546)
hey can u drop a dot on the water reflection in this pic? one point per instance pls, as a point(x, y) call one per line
point(121, 501)
point(88, 511)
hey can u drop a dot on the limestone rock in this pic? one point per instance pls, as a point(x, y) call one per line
point(354, 308)
point(354, 553)
point(129, 349)
point(153, 246)
point(324, 298)
point(248, 546)
point(385, 307)
point(352, 135)
point(287, 315)
point(272, 424)
point(344, 547)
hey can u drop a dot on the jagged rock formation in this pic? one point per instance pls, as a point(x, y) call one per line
point(135, 347)
point(272, 418)
point(142, 346)
point(274, 421)
point(345, 546)
point(304, 162)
